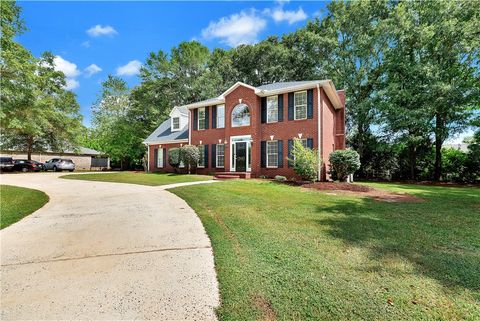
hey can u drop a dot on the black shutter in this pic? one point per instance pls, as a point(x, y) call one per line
point(206, 155)
point(290, 106)
point(264, 110)
point(214, 155)
point(280, 107)
point(263, 153)
point(195, 119)
point(214, 116)
point(310, 103)
point(280, 153)
point(310, 143)
point(164, 157)
point(155, 157)
point(290, 147)
point(206, 117)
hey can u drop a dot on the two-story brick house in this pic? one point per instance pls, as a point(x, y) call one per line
point(250, 130)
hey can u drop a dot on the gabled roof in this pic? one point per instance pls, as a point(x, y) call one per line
point(181, 109)
point(163, 134)
point(275, 89)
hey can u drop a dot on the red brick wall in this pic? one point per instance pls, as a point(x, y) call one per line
point(166, 168)
point(332, 131)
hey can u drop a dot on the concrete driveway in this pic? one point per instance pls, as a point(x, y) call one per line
point(106, 251)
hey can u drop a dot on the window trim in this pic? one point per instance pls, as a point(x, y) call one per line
point(268, 120)
point(218, 107)
point(249, 116)
point(173, 123)
point(295, 106)
point(204, 118)
point(202, 155)
point(266, 152)
point(216, 156)
point(160, 163)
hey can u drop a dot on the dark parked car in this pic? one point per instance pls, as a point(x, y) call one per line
point(25, 165)
point(39, 165)
point(6, 164)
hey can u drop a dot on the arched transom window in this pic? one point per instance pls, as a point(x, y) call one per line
point(240, 116)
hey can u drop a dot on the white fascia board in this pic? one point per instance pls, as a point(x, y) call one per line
point(167, 142)
point(216, 101)
point(327, 85)
point(238, 84)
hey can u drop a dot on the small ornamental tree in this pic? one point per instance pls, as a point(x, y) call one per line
point(190, 155)
point(343, 163)
point(174, 158)
point(305, 161)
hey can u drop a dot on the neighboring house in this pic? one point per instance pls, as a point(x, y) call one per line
point(250, 130)
point(84, 158)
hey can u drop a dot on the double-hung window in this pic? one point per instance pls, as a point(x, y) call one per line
point(201, 159)
point(272, 109)
point(220, 155)
point(160, 158)
point(221, 116)
point(300, 105)
point(272, 153)
point(175, 123)
point(201, 118)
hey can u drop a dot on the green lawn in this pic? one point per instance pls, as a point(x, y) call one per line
point(151, 179)
point(18, 202)
point(287, 253)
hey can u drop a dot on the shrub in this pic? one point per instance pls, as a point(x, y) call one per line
point(453, 164)
point(174, 157)
point(305, 161)
point(190, 155)
point(280, 178)
point(343, 163)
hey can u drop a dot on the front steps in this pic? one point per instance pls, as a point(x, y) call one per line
point(232, 175)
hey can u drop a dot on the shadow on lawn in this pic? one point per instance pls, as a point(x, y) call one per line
point(430, 235)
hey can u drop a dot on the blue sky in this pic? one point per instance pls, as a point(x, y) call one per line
point(94, 39)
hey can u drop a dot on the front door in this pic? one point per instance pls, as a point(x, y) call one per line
point(241, 156)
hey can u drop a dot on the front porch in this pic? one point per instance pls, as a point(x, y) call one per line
point(233, 175)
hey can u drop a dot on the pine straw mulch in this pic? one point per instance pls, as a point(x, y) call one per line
point(362, 190)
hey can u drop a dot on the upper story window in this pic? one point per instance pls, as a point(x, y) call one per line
point(240, 116)
point(175, 123)
point(272, 109)
point(201, 118)
point(221, 116)
point(300, 105)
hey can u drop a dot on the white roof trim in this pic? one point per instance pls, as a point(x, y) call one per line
point(185, 140)
point(179, 110)
point(327, 85)
point(238, 84)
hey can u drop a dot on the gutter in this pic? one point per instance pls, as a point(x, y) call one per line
point(319, 128)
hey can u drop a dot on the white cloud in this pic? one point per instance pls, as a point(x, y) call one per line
point(86, 44)
point(236, 29)
point(68, 68)
point(130, 69)
point(72, 84)
point(92, 70)
point(279, 15)
point(100, 30)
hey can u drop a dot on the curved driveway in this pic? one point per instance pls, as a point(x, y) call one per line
point(102, 250)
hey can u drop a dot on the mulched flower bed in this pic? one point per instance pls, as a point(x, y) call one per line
point(360, 190)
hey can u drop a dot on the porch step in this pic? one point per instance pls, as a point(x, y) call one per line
point(230, 175)
point(226, 176)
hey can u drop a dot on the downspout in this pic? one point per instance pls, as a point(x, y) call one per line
point(190, 126)
point(148, 158)
point(319, 123)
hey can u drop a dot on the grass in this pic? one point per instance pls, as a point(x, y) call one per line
point(18, 202)
point(287, 253)
point(140, 178)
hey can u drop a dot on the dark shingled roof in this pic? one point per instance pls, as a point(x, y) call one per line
point(164, 133)
point(284, 85)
